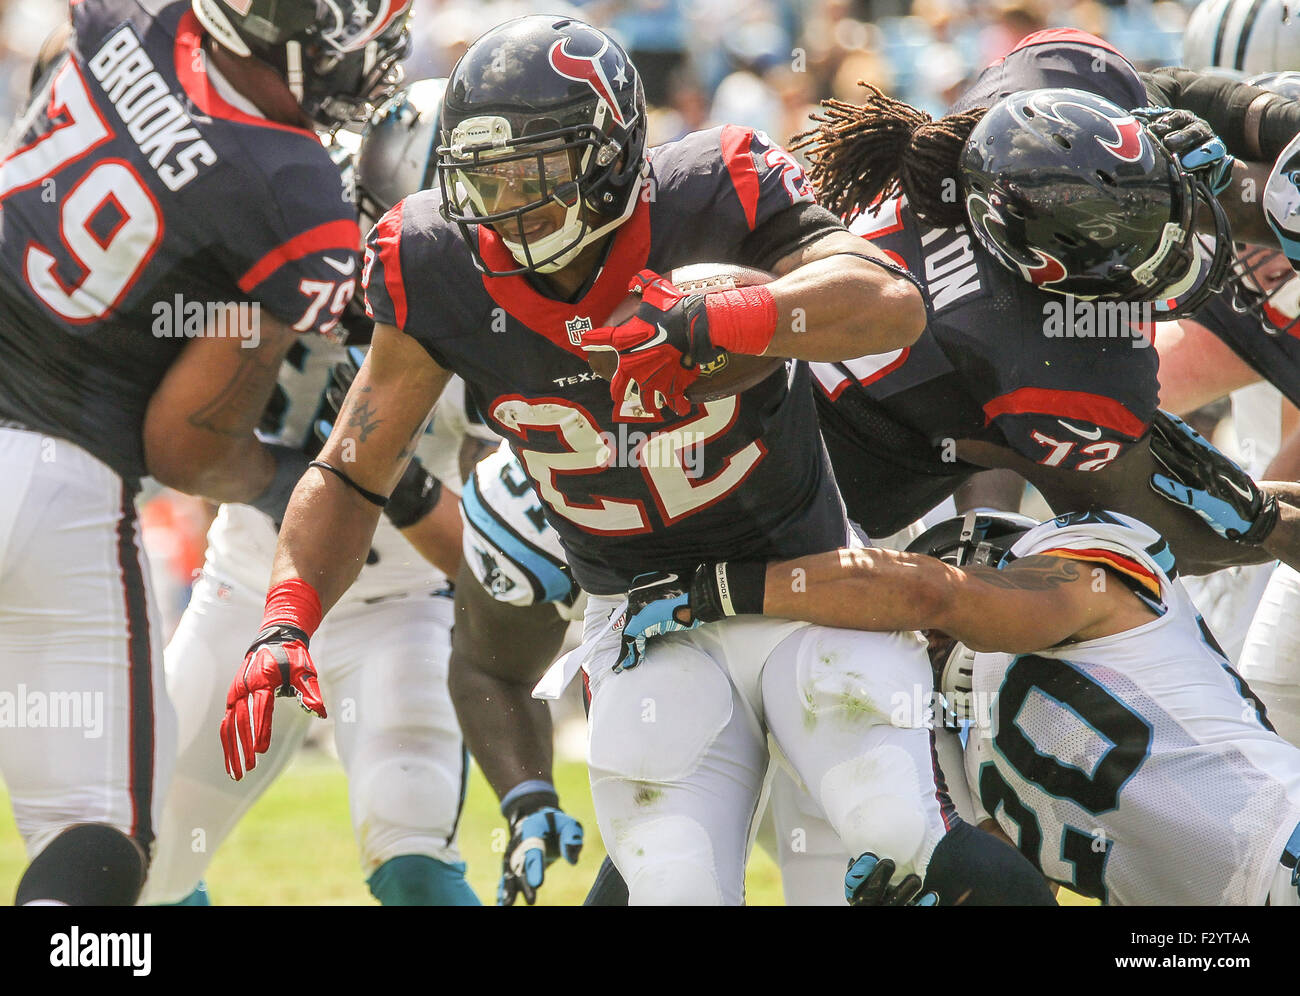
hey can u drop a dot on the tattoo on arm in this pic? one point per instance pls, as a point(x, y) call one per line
point(362, 417)
point(1030, 574)
point(235, 409)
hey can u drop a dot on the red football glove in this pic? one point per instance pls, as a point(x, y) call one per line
point(277, 664)
point(661, 347)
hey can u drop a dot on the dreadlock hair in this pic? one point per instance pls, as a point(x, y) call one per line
point(861, 155)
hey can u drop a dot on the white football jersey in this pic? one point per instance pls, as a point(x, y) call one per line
point(242, 540)
point(1132, 768)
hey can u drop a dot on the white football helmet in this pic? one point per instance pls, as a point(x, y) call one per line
point(1248, 36)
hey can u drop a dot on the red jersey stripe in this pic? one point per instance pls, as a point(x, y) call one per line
point(191, 62)
point(1079, 405)
point(389, 240)
point(736, 145)
point(343, 235)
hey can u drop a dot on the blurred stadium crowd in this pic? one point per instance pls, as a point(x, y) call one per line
point(762, 63)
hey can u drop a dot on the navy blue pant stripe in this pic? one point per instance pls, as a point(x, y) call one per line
point(140, 679)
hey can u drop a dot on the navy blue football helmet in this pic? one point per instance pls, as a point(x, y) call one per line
point(542, 110)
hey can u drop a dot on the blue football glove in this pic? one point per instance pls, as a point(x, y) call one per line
point(540, 833)
point(867, 884)
point(1199, 477)
point(652, 603)
point(1193, 143)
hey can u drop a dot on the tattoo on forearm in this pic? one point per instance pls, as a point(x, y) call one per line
point(1030, 574)
point(362, 417)
point(235, 409)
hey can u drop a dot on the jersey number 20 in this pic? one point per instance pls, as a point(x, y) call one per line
point(1096, 791)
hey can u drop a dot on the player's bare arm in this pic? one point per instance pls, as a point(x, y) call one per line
point(1033, 603)
point(329, 523)
point(1286, 465)
point(1123, 486)
point(326, 534)
point(498, 653)
point(1243, 206)
point(825, 289)
point(1196, 366)
point(198, 428)
point(436, 536)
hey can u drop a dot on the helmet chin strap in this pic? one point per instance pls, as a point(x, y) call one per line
point(1200, 264)
point(293, 69)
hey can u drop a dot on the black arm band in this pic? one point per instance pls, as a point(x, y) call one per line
point(369, 496)
point(728, 589)
point(290, 463)
point(414, 497)
point(1223, 103)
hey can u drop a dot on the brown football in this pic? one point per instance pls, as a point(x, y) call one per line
point(737, 372)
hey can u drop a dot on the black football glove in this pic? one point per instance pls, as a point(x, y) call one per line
point(867, 883)
point(1199, 477)
point(1193, 143)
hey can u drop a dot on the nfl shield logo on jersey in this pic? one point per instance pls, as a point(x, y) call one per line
point(577, 327)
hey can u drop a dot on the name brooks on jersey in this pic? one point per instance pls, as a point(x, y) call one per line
point(154, 118)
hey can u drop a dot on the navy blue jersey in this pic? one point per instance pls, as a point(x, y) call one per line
point(1062, 382)
point(136, 208)
point(743, 477)
point(1275, 356)
point(1000, 360)
point(1058, 57)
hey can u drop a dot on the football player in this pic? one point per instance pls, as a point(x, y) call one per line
point(170, 222)
point(997, 379)
point(382, 652)
point(1112, 740)
point(549, 210)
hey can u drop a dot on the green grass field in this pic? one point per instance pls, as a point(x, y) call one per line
point(295, 847)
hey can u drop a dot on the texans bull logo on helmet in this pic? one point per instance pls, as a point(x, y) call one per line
point(1128, 144)
point(990, 228)
point(588, 69)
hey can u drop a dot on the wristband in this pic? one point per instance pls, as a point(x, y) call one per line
point(742, 320)
point(414, 497)
point(728, 589)
point(290, 464)
point(514, 800)
point(293, 603)
point(369, 496)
